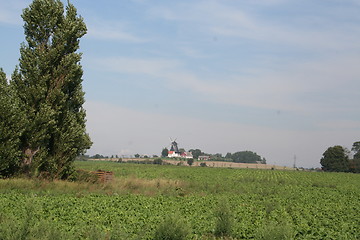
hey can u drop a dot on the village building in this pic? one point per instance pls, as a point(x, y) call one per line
point(204, 158)
point(175, 153)
point(187, 155)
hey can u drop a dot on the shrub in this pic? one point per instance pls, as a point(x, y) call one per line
point(190, 161)
point(172, 228)
point(203, 164)
point(83, 176)
point(158, 161)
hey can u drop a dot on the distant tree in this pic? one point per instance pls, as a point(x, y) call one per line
point(98, 156)
point(355, 162)
point(164, 152)
point(356, 149)
point(137, 155)
point(155, 156)
point(228, 155)
point(335, 159)
point(190, 161)
point(246, 157)
point(12, 126)
point(112, 156)
point(181, 150)
point(116, 156)
point(196, 153)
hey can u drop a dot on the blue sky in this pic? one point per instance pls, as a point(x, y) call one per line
point(277, 77)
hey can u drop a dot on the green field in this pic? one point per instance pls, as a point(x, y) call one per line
point(260, 204)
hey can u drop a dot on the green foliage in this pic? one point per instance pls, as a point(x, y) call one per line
point(83, 176)
point(164, 152)
point(12, 124)
point(223, 218)
point(158, 161)
point(275, 231)
point(196, 153)
point(262, 203)
point(48, 86)
point(172, 228)
point(335, 159)
point(245, 157)
point(203, 164)
point(354, 164)
point(190, 161)
point(356, 149)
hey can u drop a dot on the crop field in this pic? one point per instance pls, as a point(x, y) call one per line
point(254, 204)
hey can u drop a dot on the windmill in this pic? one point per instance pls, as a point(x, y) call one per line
point(174, 150)
point(174, 146)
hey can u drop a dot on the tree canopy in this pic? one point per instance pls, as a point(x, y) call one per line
point(245, 157)
point(335, 159)
point(196, 153)
point(164, 152)
point(356, 149)
point(12, 124)
point(47, 84)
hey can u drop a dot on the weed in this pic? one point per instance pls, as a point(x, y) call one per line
point(172, 228)
point(223, 223)
point(275, 231)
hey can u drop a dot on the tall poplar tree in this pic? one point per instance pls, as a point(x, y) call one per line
point(48, 83)
point(12, 125)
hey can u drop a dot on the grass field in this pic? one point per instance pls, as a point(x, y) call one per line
point(144, 200)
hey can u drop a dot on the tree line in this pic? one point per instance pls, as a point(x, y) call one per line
point(338, 159)
point(42, 119)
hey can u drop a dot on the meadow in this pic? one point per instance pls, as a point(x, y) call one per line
point(206, 203)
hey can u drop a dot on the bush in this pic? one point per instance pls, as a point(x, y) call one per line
point(203, 164)
point(83, 176)
point(172, 228)
point(190, 161)
point(158, 161)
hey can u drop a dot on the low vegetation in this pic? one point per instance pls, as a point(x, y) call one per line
point(206, 203)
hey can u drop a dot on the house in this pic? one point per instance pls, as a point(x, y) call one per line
point(187, 155)
point(204, 158)
point(173, 154)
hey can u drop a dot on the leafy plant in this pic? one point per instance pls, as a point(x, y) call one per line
point(172, 228)
point(223, 217)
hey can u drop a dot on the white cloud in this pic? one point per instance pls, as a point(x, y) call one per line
point(152, 67)
point(109, 32)
point(217, 18)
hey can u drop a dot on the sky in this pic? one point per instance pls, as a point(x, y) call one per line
point(276, 77)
